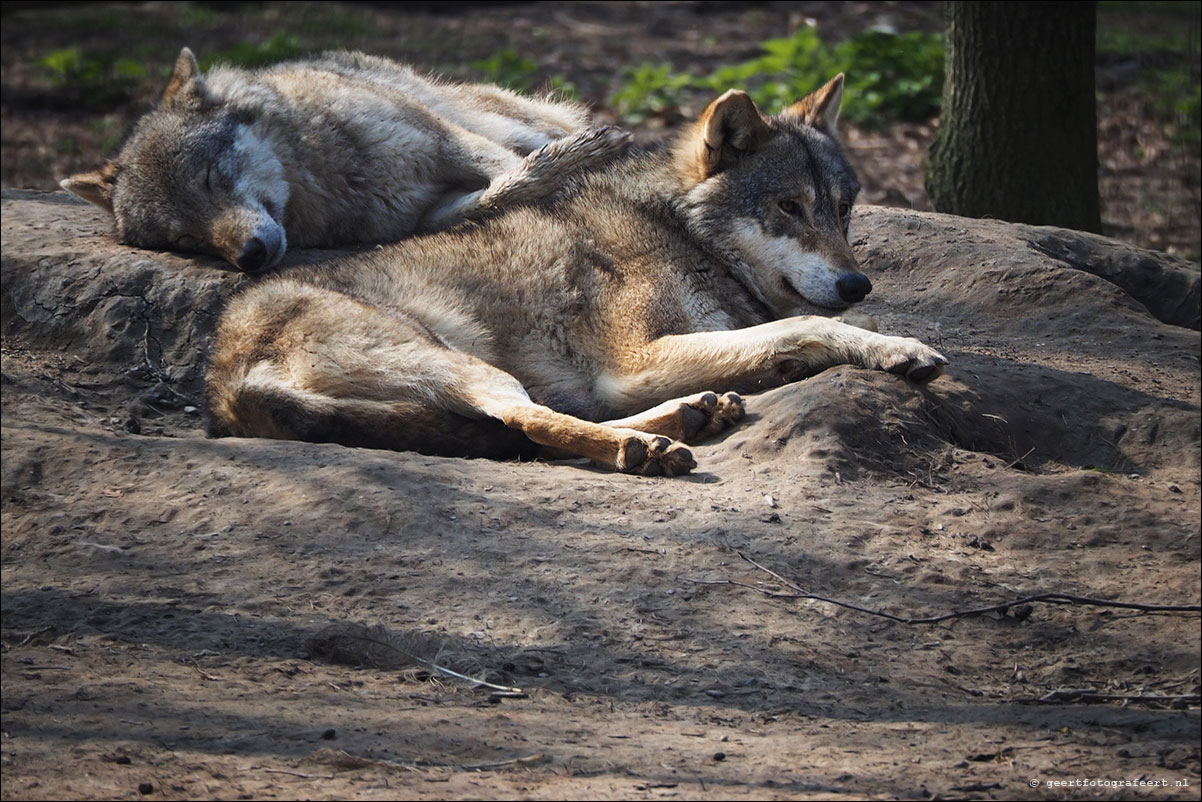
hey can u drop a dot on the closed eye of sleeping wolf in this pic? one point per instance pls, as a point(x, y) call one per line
point(598, 325)
point(333, 150)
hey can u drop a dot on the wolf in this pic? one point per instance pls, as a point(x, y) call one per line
point(618, 321)
point(339, 149)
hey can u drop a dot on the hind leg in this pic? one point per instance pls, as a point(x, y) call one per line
point(499, 395)
point(690, 419)
point(297, 362)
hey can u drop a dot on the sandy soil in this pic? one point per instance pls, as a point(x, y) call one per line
point(193, 618)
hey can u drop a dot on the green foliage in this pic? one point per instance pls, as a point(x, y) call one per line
point(1133, 28)
point(509, 69)
point(648, 89)
point(1178, 99)
point(71, 67)
point(279, 47)
point(888, 77)
point(1164, 39)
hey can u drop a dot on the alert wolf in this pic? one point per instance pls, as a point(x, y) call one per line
point(639, 298)
point(343, 148)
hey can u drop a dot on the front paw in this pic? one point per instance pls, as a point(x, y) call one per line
point(908, 357)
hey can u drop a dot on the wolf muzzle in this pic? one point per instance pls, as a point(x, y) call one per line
point(254, 256)
point(263, 250)
point(853, 287)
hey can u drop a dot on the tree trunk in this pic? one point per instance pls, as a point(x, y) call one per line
point(1018, 133)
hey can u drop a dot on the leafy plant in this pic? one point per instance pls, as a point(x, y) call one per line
point(71, 67)
point(1162, 40)
point(509, 69)
point(279, 47)
point(888, 76)
point(649, 89)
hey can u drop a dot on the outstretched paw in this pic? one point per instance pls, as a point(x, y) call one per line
point(908, 357)
point(652, 455)
point(690, 419)
point(707, 414)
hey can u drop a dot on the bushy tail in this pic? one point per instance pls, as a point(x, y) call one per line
point(545, 171)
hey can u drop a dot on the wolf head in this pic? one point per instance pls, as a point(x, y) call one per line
point(194, 176)
point(775, 195)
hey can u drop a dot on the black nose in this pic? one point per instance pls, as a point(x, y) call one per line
point(853, 287)
point(254, 256)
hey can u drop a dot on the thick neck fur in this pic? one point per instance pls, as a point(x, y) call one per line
point(654, 183)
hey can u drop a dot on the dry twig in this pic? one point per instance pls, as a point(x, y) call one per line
point(797, 592)
point(1065, 695)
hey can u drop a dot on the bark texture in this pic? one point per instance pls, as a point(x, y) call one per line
point(1017, 137)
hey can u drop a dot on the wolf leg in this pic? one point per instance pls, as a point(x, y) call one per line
point(499, 395)
point(690, 419)
point(774, 353)
point(296, 362)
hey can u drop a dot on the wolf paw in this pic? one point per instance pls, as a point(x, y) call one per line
point(908, 357)
point(652, 455)
point(707, 414)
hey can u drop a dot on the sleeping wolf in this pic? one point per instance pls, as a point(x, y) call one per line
point(646, 286)
point(343, 148)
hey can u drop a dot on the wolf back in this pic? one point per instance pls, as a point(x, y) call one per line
point(339, 149)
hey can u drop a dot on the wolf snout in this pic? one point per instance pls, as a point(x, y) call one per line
point(260, 252)
point(852, 287)
point(253, 257)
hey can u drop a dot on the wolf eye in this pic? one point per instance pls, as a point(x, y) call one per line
point(209, 178)
point(791, 208)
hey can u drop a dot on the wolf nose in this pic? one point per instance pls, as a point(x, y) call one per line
point(853, 287)
point(253, 256)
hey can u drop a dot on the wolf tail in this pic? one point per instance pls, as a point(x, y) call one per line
point(544, 172)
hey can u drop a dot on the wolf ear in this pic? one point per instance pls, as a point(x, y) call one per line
point(729, 128)
point(821, 107)
point(185, 82)
point(94, 187)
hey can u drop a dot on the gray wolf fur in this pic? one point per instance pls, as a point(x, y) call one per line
point(642, 289)
point(338, 149)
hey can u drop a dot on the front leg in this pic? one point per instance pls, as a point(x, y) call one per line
point(783, 350)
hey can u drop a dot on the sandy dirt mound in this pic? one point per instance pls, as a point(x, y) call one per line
point(194, 618)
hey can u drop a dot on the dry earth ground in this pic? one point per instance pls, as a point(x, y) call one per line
point(167, 598)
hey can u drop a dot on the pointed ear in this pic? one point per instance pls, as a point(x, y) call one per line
point(185, 81)
point(820, 108)
point(94, 187)
point(729, 128)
